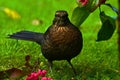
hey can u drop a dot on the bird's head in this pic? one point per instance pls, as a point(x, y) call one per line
point(61, 18)
point(61, 14)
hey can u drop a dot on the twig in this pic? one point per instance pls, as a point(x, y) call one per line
point(119, 34)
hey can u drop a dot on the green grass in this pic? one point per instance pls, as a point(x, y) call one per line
point(97, 60)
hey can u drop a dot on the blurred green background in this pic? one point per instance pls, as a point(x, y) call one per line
point(97, 61)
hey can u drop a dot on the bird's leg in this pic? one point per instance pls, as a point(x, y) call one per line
point(50, 65)
point(72, 66)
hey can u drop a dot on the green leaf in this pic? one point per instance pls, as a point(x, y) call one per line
point(113, 8)
point(107, 29)
point(79, 15)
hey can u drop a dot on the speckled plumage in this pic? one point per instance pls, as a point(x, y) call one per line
point(62, 41)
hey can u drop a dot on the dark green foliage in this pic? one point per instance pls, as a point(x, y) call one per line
point(108, 27)
point(79, 15)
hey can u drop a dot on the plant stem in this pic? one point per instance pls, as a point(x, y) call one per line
point(119, 34)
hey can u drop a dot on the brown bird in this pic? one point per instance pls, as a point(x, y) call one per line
point(61, 41)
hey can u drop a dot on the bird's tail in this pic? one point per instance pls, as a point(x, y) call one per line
point(28, 35)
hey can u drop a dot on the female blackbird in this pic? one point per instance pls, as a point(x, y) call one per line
point(61, 41)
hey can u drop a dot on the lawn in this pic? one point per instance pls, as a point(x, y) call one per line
point(97, 60)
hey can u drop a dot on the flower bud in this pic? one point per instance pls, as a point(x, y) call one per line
point(83, 2)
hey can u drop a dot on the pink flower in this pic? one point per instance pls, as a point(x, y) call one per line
point(84, 2)
point(32, 76)
point(36, 75)
point(45, 78)
point(42, 72)
point(39, 72)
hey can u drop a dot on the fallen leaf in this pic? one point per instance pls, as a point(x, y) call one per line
point(37, 22)
point(15, 73)
point(12, 73)
point(11, 13)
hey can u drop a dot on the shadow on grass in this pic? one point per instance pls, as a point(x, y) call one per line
point(85, 71)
